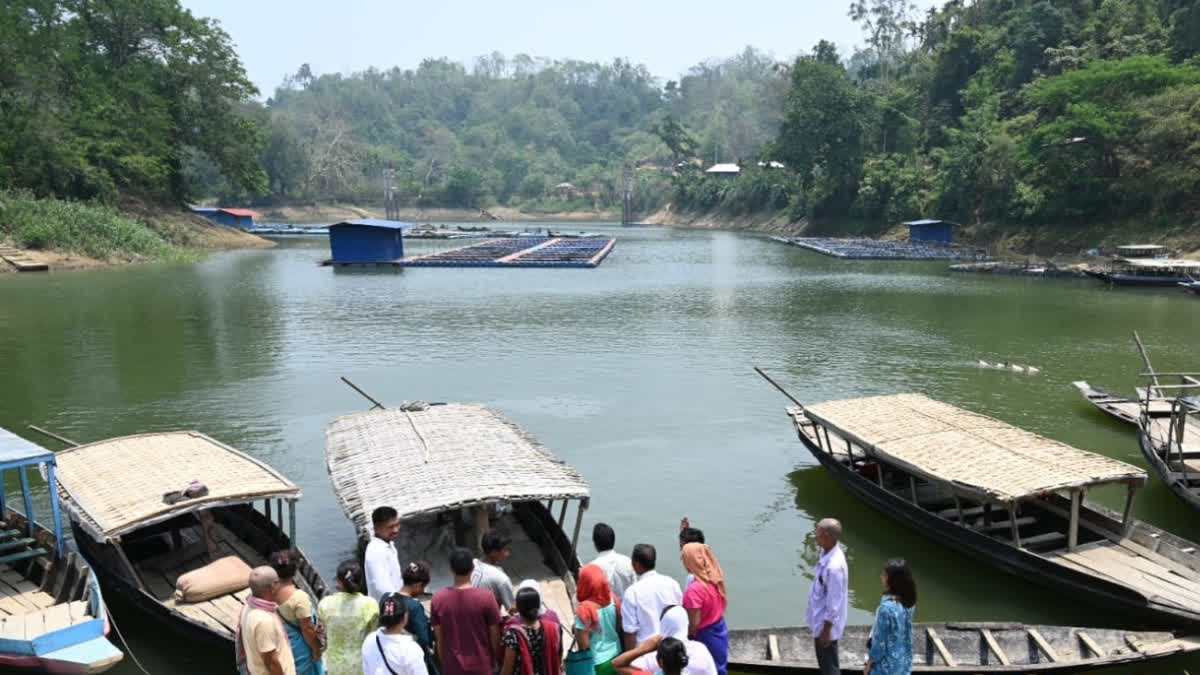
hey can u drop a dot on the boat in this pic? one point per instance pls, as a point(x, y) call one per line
point(1007, 497)
point(1145, 265)
point(1191, 285)
point(963, 647)
point(116, 494)
point(52, 613)
point(451, 471)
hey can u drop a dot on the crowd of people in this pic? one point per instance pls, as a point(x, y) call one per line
point(628, 619)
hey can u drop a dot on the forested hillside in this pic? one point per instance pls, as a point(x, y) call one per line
point(1065, 113)
point(505, 130)
point(1003, 111)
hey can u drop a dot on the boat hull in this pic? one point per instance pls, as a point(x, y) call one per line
point(1173, 480)
point(114, 577)
point(1023, 563)
point(789, 650)
point(1134, 280)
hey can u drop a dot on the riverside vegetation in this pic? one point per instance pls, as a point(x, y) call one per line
point(1011, 113)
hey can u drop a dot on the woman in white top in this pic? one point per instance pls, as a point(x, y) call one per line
point(390, 650)
point(674, 624)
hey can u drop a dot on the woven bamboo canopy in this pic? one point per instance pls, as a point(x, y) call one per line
point(116, 486)
point(975, 453)
point(440, 458)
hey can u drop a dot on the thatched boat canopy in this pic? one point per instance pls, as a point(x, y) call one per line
point(972, 452)
point(116, 486)
point(439, 458)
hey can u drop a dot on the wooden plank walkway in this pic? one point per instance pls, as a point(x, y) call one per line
point(18, 259)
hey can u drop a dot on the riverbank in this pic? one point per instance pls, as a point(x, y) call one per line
point(74, 235)
point(1003, 241)
point(332, 213)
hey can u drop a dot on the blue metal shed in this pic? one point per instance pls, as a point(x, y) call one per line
point(243, 218)
point(938, 231)
point(367, 240)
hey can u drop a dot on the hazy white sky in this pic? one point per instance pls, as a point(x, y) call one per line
point(274, 37)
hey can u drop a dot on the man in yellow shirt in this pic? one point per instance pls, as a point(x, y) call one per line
point(262, 646)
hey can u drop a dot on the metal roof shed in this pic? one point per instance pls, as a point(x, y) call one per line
point(939, 231)
point(367, 240)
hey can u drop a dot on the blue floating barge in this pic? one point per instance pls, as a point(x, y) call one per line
point(505, 252)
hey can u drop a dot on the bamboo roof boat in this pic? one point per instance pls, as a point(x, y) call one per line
point(116, 494)
point(1008, 497)
point(963, 647)
point(52, 614)
point(452, 471)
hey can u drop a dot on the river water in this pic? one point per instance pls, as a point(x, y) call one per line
point(637, 373)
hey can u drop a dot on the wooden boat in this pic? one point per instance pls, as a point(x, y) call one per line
point(52, 614)
point(114, 492)
point(1008, 497)
point(452, 471)
point(1147, 271)
point(963, 647)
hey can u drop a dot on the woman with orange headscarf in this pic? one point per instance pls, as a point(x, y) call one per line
point(597, 618)
point(705, 601)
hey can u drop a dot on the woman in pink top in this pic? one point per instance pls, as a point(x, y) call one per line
point(705, 602)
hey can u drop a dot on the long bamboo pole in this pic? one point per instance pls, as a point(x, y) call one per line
point(776, 385)
point(364, 394)
point(1146, 357)
point(53, 435)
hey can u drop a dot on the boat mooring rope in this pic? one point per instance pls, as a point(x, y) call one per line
point(129, 651)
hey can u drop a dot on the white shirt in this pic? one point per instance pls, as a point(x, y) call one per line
point(700, 662)
point(383, 568)
point(644, 601)
point(617, 569)
point(828, 598)
point(404, 655)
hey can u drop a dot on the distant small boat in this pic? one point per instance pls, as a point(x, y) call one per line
point(1192, 286)
point(963, 647)
point(1016, 368)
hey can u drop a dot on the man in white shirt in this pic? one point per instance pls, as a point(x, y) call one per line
point(828, 598)
point(382, 562)
point(643, 603)
point(617, 568)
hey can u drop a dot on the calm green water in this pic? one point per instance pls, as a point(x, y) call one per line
point(637, 373)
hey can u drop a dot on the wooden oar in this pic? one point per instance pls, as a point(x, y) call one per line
point(776, 385)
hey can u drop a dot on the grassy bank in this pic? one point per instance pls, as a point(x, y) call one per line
point(82, 234)
point(93, 230)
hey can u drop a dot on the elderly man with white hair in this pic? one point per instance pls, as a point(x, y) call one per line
point(261, 645)
point(828, 597)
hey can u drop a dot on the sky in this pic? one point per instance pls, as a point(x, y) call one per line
point(274, 37)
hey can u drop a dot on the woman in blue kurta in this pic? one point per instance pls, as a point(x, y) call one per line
point(891, 650)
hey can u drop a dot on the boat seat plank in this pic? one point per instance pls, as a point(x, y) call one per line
point(1103, 563)
point(1173, 565)
point(1163, 572)
point(994, 646)
point(1005, 525)
point(1090, 644)
point(15, 544)
point(1044, 538)
point(952, 513)
point(23, 555)
point(57, 616)
point(35, 624)
point(1042, 644)
point(79, 611)
point(196, 614)
point(773, 647)
point(41, 599)
point(13, 606)
point(13, 627)
point(941, 647)
point(9, 533)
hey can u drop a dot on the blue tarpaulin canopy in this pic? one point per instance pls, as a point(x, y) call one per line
point(16, 450)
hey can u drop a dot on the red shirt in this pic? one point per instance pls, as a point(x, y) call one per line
point(465, 615)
